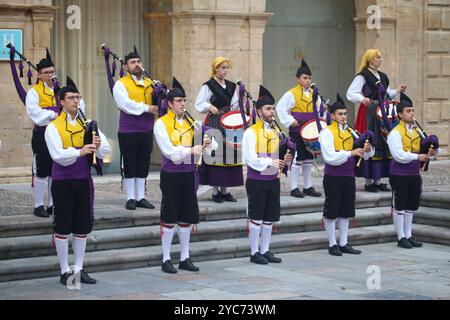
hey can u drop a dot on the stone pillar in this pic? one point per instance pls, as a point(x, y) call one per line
point(35, 18)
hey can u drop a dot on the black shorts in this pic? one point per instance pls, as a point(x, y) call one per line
point(302, 152)
point(339, 197)
point(263, 199)
point(406, 191)
point(135, 150)
point(72, 206)
point(179, 198)
point(42, 165)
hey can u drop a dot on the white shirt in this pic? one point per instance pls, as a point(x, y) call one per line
point(329, 153)
point(124, 102)
point(354, 92)
point(69, 156)
point(249, 155)
point(395, 144)
point(203, 101)
point(40, 116)
point(285, 105)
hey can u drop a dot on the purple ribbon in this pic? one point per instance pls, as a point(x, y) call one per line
point(21, 68)
point(368, 135)
point(381, 92)
point(122, 72)
point(114, 67)
point(241, 104)
point(316, 116)
point(109, 75)
point(20, 89)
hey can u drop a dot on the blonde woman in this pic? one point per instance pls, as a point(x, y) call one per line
point(218, 96)
point(363, 91)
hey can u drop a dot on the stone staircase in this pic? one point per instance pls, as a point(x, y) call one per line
point(124, 239)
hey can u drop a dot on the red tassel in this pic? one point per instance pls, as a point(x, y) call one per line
point(354, 223)
point(195, 228)
point(32, 181)
point(53, 241)
point(322, 225)
point(161, 230)
point(248, 227)
point(274, 228)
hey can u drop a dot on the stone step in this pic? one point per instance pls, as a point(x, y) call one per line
point(35, 246)
point(141, 257)
point(110, 214)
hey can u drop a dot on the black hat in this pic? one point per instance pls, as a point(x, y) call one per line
point(405, 102)
point(264, 98)
point(70, 87)
point(46, 62)
point(132, 55)
point(339, 104)
point(177, 90)
point(304, 69)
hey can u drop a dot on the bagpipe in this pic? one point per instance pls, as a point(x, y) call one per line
point(16, 76)
point(322, 102)
point(160, 90)
point(386, 110)
point(427, 143)
point(286, 145)
point(360, 140)
point(90, 132)
point(250, 111)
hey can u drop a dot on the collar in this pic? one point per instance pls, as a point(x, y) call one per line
point(267, 126)
point(69, 117)
point(141, 82)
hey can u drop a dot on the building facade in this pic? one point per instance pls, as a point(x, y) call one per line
point(265, 39)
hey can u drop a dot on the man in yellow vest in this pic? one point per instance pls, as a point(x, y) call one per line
point(337, 145)
point(134, 96)
point(72, 188)
point(42, 109)
point(404, 144)
point(176, 138)
point(294, 109)
point(260, 150)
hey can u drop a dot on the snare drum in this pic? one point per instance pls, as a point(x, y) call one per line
point(233, 126)
point(310, 135)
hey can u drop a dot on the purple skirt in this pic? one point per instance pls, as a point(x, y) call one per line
point(221, 176)
point(375, 169)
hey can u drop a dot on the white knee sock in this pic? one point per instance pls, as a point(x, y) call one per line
point(140, 189)
point(307, 173)
point(399, 222)
point(49, 188)
point(40, 186)
point(408, 224)
point(215, 190)
point(330, 226)
point(295, 171)
point(377, 182)
point(62, 250)
point(184, 234)
point(343, 231)
point(223, 190)
point(254, 232)
point(79, 249)
point(166, 241)
point(368, 182)
point(266, 233)
point(130, 186)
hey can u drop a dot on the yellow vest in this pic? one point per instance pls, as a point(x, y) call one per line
point(46, 96)
point(179, 134)
point(136, 91)
point(302, 103)
point(410, 141)
point(71, 136)
point(343, 140)
point(267, 142)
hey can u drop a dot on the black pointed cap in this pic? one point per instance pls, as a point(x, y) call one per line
point(47, 62)
point(70, 87)
point(264, 98)
point(177, 90)
point(304, 69)
point(132, 55)
point(339, 104)
point(405, 102)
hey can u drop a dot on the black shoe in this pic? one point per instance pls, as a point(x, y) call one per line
point(228, 197)
point(334, 251)
point(168, 267)
point(383, 187)
point(144, 204)
point(404, 243)
point(188, 265)
point(348, 249)
point(217, 198)
point(50, 210)
point(131, 204)
point(311, 192)
point(86, 279)
point(41, 212)
point(371, 188)
point(296, 193)
point(258, 258)
point(271, 258)
point(64, 277)
point(415, 243)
